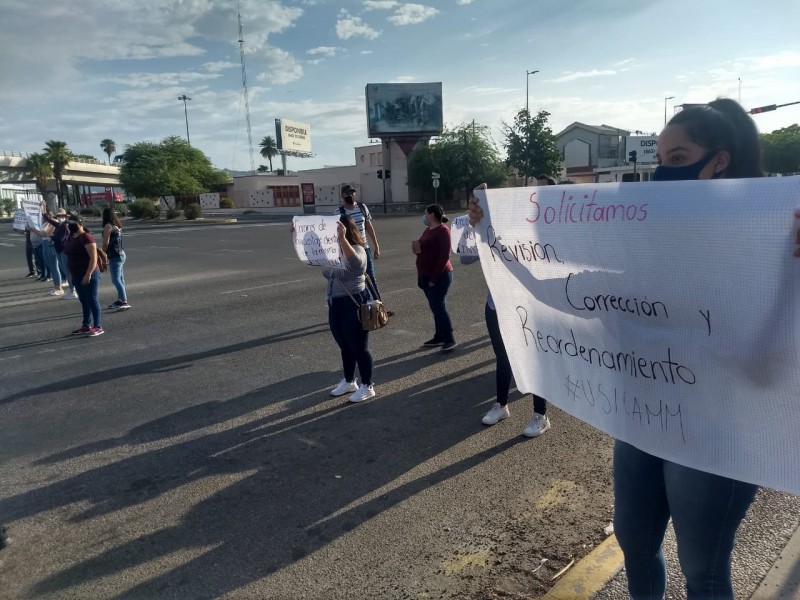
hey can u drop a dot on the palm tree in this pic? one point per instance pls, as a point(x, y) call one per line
point(268, 149)
point(38, 168)
point(59, 156)
point(109, 147)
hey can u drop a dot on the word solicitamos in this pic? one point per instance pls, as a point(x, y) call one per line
point(583, 209)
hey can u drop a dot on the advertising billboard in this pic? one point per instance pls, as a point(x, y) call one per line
point(293, 137)
point(404, 109)
point(645, 147)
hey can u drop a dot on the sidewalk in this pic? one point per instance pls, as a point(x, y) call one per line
point(766, 562)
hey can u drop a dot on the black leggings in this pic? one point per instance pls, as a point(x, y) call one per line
point(503, 366)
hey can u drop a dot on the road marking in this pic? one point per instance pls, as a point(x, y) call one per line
point(227, 250)
point(396, 291)
point(166, 247)
point(261, 287)
point(11, 357)
point(7, 245)
point(591, 573)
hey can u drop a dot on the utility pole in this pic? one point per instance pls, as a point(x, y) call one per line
point(665, 108)
point(528, 117)
point(184, 97)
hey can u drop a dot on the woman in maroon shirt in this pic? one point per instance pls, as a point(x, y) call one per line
point(435, 273)
point(81, 251)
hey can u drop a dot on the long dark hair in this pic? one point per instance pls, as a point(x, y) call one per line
point(724, 125)
point(352, 234)
point(437, 211)
point(109, 216)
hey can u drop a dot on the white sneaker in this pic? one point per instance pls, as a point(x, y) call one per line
point(538, 425)
point(496, 414)
point(344, 387)
point(57, 293)
point(364, 392)
point(70, 296)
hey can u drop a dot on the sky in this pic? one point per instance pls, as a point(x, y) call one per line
point(84, 70)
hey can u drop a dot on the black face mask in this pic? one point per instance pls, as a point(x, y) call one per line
point(73, 228)
point(684, 173)
point(349, 200)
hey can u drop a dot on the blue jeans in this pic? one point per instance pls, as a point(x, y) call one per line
point(503, 370)
point(436, 300)
point(371, 274)
point(51, 260)
point(62, 262)
point(706, 510)
point(87, 294)
point(117, 275)
point(352, 340)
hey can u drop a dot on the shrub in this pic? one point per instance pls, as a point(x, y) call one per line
point(144, 209)
point(173, 213)
point(8, 206)
point(192, 211)
point(225, 203)
point(90, 211)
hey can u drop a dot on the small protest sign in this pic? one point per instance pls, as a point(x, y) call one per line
point(316, 241)
point(462, 236)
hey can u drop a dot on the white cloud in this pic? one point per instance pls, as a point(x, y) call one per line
point(573, 75)
point(143, 80)
point(366, 52)
point(280, 68)
point(379, 4)
point(329, 51)
point(411, 14)
point(348, 26)
point(464, 2)
point(219, 65)
point(403, 79)
point(486, 90)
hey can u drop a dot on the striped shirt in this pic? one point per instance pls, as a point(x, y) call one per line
point(359, 217)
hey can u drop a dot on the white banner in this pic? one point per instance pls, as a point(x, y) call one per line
point(665, 314)
point(316, 241)
point(462, 236)
point(20, 222)
point(33, 209)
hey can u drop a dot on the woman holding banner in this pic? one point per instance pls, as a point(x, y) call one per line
point(346, 290)
point(718, 140)
point(435, 274)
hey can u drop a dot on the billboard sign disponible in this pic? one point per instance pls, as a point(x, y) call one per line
point(292, 137)
point(404, 109)
point(645, 147)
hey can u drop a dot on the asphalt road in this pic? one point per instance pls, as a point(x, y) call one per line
point(193, 450)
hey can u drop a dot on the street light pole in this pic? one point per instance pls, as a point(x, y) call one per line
point(184, 97)
point(665, 108)
point(528, 116)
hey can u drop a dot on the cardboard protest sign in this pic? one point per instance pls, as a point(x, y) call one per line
point(20, 222)
point(33, 209)
point(664, 314)
point(316, 241)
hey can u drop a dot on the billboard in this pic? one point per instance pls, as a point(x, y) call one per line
point(293, 137)
point(404, 109)
point(645, 147)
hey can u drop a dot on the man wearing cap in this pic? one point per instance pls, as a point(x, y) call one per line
point(359, 212)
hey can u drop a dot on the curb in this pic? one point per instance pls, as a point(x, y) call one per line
point(783, 579)
point(590, 574)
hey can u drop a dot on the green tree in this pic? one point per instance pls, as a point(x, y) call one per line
point(781, 150)
point(171, 167)
point(530, 145)
point(59, 156)
point(40, 169)
point(268, 149)
point(109, 147)
point(464, 157)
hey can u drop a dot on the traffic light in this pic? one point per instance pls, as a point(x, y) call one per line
point(387, 173)
point(760, 109)
point(380, 173)
point(632, 156)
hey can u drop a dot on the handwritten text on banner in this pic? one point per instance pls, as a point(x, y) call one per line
point(665, 314)
point(316, 241)
point(462, 236)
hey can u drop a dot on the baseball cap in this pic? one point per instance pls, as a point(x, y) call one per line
point(348, 189)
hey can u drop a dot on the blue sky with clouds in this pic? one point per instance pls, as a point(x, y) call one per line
point(84, 70)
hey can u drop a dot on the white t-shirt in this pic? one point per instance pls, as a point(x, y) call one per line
point(359, 216)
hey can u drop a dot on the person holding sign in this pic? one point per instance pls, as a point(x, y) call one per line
point(704, 142)
point(359, 212)
point(539, 422)
point(346, 286)
point(435, 274)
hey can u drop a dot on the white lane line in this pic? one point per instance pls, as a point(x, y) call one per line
point(7, 245)
point(397, 291)
point(205, 254)
point(166, 247)
point(399, 268)
point(11, 357)
point(227, 250)
point(269, 285)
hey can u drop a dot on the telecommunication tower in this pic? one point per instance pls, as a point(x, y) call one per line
point(244, 88)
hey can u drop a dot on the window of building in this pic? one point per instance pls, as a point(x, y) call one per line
point(286, 195)
point(609, 147)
